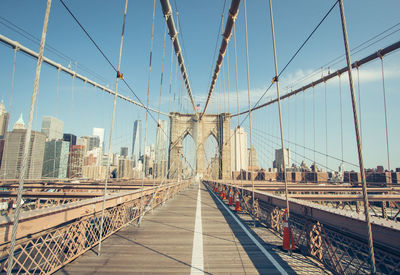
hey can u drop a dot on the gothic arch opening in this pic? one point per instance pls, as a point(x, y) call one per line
point(188, 157)
point(212, 157)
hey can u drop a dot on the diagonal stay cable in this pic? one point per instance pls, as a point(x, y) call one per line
point(292, 58)
point(104, 55)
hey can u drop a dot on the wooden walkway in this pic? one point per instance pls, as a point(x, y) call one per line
point(163, 244)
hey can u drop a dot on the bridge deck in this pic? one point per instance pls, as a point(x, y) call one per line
point(164, 244)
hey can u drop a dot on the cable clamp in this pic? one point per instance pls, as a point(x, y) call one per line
point(120, 75)
point(275, 79)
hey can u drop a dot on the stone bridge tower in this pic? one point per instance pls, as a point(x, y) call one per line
point(188, 124)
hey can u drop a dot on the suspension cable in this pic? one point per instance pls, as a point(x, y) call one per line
point(249, 103)
point(111, 130)
point(276, 80)
point(326, 128)
point(147, 109)
point(162, 74)
point(385, 107)
point(341, 117)
point(27, 142)
point(359, 99)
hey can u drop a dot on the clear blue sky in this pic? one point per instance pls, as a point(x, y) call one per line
point(86, 107)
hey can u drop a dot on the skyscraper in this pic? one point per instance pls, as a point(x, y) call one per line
point(13, 153)
point(252, 157)
point(4, 117)
point(75, 163)
point(71, 139)
point(239, 157)
point(279, 158)
point(52, 127)
point(94, 142)
point(137, 140)
point(55, 161)
point(100, 133)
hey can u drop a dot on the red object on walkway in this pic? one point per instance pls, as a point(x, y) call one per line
point(288, 240)
point(237, 208)
point(230, 197)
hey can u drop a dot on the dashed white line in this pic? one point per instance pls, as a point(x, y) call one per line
point(197, 252)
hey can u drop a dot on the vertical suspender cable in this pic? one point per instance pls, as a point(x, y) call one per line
point(276, 80)
point(147, 113)
point(384, 106)
point(326, 128)
point(313, 110)
point(248, 99)
point(359, 99)
point(227, 70)
point(111, 130)
point(162, 74)
point(237, 103)
point(170, 78)
point(359, 145)
point(27, 141)
point(223, 85)
point(341, 117)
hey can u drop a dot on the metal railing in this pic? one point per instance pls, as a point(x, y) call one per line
point(58, 235)
point(335, 239)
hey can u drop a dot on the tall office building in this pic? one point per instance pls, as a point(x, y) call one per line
point(161, 150)
point(99, 132)
point(52, 127)
point(71, 139)
point(94, 142)
point(4, 117)
point(278, 163)
point(55, 161)
point(75, 163)
point(252, 157)
point(137, 140)
point(239, 157)
point(13, 153)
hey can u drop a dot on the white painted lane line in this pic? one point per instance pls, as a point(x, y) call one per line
point(263, 250)
point(197, 253)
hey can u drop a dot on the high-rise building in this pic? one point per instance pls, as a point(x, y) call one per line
point(55, 161)
point(239, 157)
point(100, 133)
point(75, 163)
point(4, 117)
point(252, 157)
point(94, 142)
point(84, 141)
point(14, 150)
point(279, 155)
point(124, 152)
point(71, 139)
point(52, 127)
point(137, 140)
